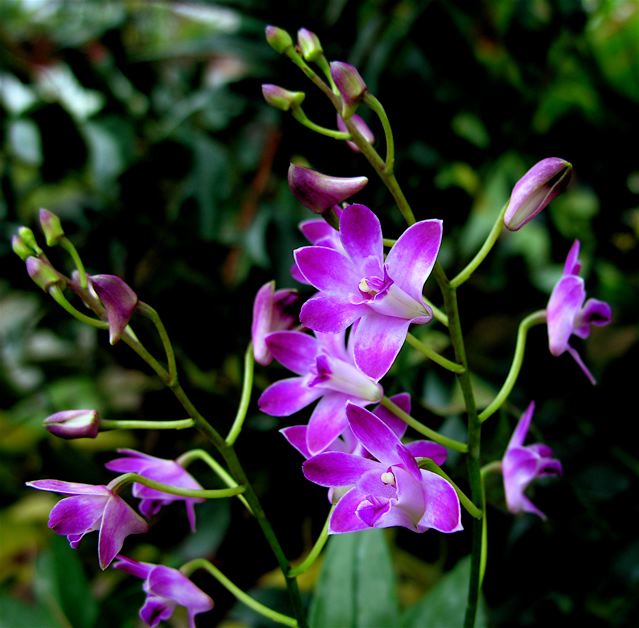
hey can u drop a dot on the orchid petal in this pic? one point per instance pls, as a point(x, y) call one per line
point(327, 422)
point(335, 468)
point(361, 235)
point(374, 434)
point(344, 517)
point(155, 610)
point(327, 269)
point(293, 350)
point(69, 488)
point(78, 514)
point(572, 266)
point(393, 421)
point(443, 512)
point(329, 313)
point(287, 397)
point(296, 436)
point(594, 312)
point(118, 521)
point(427, 449)
point(119, 302)
point(133, 567)
point(563, 307)
point(523, 425)
point(582, 365)
point(171, 584)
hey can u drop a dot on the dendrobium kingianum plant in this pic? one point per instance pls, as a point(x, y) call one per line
point(382, 466)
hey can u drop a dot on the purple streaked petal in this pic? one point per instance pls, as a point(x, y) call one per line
point(296, 436)
point(563, 308)
point(287, 397)
point(374, 435)
point(427, 449)
point(523, 425)
point(374, 510)
point(78, 514)
point(318, 230)
point(594, 312)
point(155, 610)
point(361, 235)
point(261, 324)
point(378, 340)
point(582, 365)
point(69, 488)
point(572, 266)
point(334, 468)
point(133, 567)
point(293, 349)
point(443, 512)
point(327, 422)
point(119, 302)
point(329, 314)
point(118, 521)
point(394, 422)
point(172, 585)
point(328, 269)
point(344, 517)
point(409, 505)
point(413, 256)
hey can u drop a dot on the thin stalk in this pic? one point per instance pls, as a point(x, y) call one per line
point(388, 242)
point(68, 246)
point(316, 550)
point(473, 511)
point(146, 310)
point(300, 116)
point(422, 429)
point(326, 71)
point(180, 424)
point(424, 349)
point(536, 318)
point(378, 108)
point(247, 385)
point(483, 251)
point(292, 54)
point(58, 296)
point(492, 467)
point(245, 598)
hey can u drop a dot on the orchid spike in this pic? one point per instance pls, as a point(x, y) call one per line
point(165, 589)
point(91, 508)
point(161, 470)
point(309, 45)
point(119, 302)
point(350, 85)
point(569, 313)
point(281, 98)
point(73, 424)
point(388, 489)
point(535, 190)
point(326, 371)
point(357, 284)
point(521, 465)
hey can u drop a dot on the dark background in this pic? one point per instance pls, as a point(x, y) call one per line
point(142, 125)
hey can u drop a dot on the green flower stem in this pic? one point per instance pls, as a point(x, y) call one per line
point(536, 318)
point(292, 54)
point(424, 349)
point(483, 251)
point(473, 511)
point(492, 467)
point(146, 310)
point(437, 313)
point(300, 116)
point(389, 242)
point(58, 296)
point(326, 71)
point(68, 246)
point(129, 478)
point(378, 108)
point(316, 550)
point(146, 425)
point(200, 454)
point(258, 607)
point(247, 385)
point(422, 429)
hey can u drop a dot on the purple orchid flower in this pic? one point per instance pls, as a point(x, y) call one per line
point(357, 284)
point(161, 470)
point(523, 464)
point(390, 490)
point(92, 508)
point(271, 312)
point(326, 371)
point(119, 301)
point(165, 589)
point(567, 314)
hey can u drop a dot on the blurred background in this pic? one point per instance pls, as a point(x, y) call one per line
point(142, 125)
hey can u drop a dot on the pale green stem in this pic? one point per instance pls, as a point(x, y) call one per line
point(326, 70)
point(389, 242)
point(316, 550)
point(424, 349)
point(378, 108)
point(473, 511)
point(67, 245)
point(180, 424)
point(536, 318)
point(200, 454)
point(245, 399)
point(201, 563)
point(292, 54)
point(483, 251)
point(492, 467)
point(146, 310)
point(437, 313)
point(300, 116)
point(58, 296)
point(422, 429)
point(129, 478)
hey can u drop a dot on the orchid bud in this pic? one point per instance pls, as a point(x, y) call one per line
point(74, 424)
point(51, 227)
point(536, 189)
point(309, 44)
point(361, 126)
point(278, 39)
point(24, 241)
point(319, 192)
point(42, 273)
point(119, 302)
point(281, 98)
point(350, 84)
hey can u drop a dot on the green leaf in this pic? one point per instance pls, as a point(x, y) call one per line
point(444, 606)
point(357, 587)
point(14, 613)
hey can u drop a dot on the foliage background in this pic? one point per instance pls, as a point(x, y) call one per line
point(141, 124)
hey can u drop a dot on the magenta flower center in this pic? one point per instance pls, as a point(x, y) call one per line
point(340, 376)
point(388, 478)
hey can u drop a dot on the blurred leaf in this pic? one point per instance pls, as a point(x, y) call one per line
point(471, 128)
point(24, 139)
point(445, 605)
point(105, 157)
point(357, 585)
point(15, 613)
point(15, 95)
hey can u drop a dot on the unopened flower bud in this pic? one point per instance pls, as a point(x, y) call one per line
point(24, 239)
point(281, 98)
point(119, 302)
point(309, 44)
point(20, 248)
point(51, 227)
point(361, 126)
point(536, 189)
point(278, 39)
point(74, 424)
point(319, 192)
point(350, 84)
point(42, 273)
